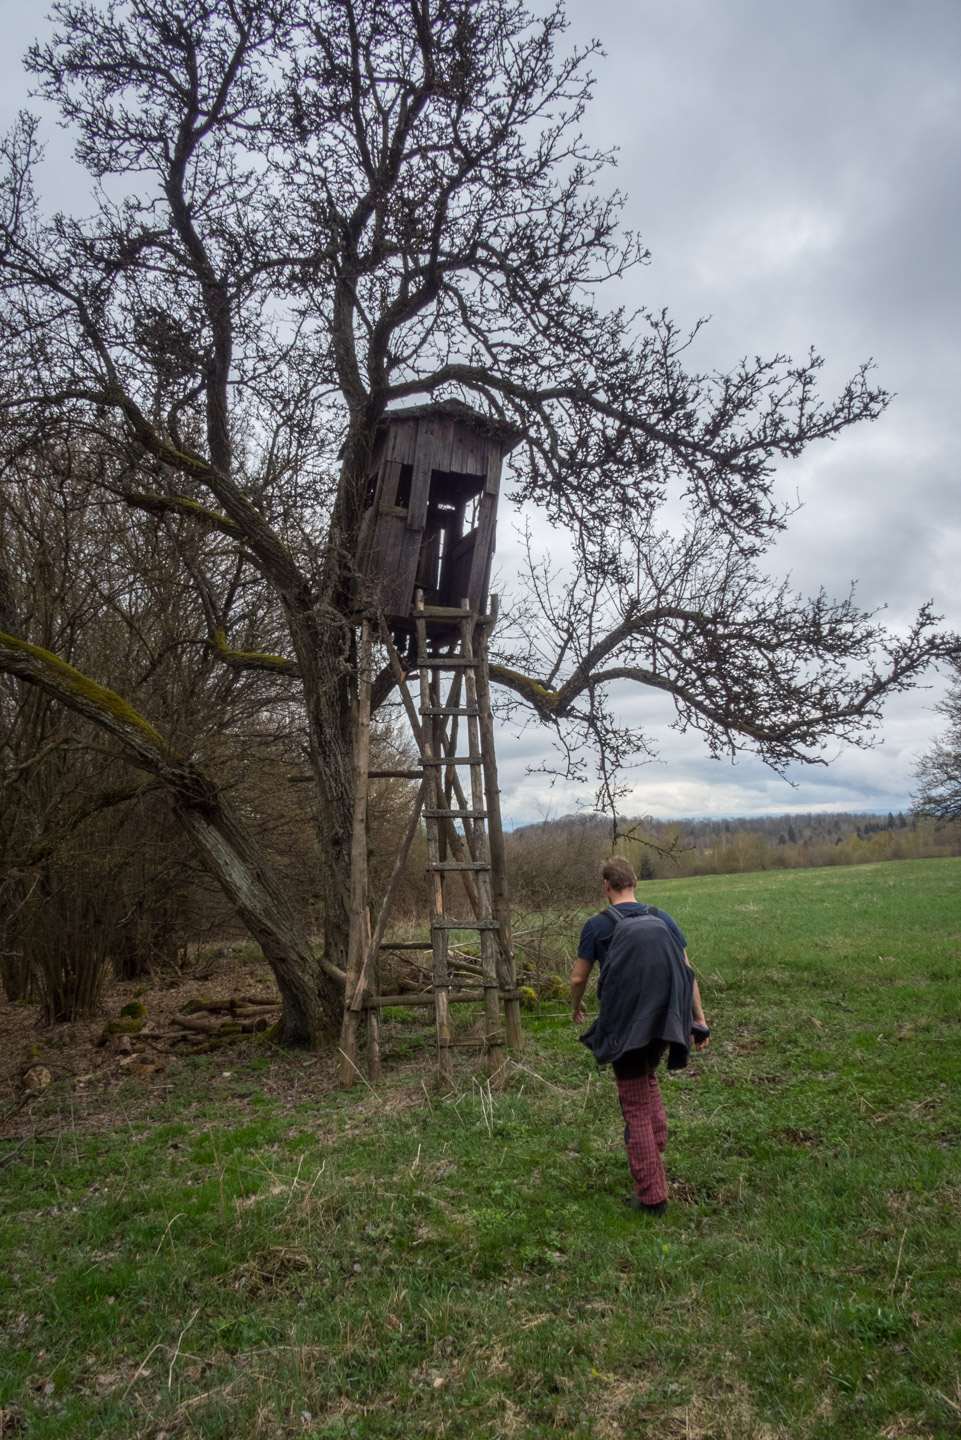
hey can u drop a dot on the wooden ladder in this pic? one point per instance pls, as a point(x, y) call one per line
point(461, 819)
point(464, 842)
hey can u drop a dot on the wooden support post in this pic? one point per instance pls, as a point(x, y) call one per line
point(372, 1020)
point(438, 932)
point(358, 931)
point(488, 937)
point(507, 972)
point(426, 998)
point(397, 874)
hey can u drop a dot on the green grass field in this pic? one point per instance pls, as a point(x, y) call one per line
point(255, 1254)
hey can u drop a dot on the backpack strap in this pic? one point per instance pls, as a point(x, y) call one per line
point(614, 914)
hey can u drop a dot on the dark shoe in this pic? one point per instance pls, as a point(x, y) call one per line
point(659, 1209)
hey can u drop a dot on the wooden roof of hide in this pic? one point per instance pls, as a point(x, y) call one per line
point(509, 435)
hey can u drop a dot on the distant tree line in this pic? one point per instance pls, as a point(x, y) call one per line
point(555, 862)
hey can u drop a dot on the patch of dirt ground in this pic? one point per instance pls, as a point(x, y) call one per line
point(83, 1082)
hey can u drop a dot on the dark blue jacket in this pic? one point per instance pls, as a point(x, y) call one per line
point(645, 990)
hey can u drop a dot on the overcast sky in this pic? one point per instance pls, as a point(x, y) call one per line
point(794, 170)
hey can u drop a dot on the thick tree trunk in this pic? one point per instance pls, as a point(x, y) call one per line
point(310, 987)
point(327, 666)
point(313, 999)
point(324, 637)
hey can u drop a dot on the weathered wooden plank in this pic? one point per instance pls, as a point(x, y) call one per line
point(385, 558)
point(492, 484)
point(420, 482)
point(483, 552)
point(446, 434)
point(500, 892)
point(426, 997)
point(365, 541)
point(376, 545)
point(397, 586)
point(428, 563)
point(402, 442)
point(469, 453)
point(478, 452)
point(449, 612)
point(460, 565)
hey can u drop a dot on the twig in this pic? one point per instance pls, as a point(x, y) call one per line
point(362, 1077)
point(220, 1168)
point(516, 1065)
point(928, 1100)
point(170, 1372)
point(897, 1267)
point(294, 1182)
point(12, 1154)
point(178, 1216)
point(487, 1100)
point(123, 1111)
point(17, 1106)
point(142, 1366)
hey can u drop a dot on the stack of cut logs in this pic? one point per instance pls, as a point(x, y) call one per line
point(243, 1015)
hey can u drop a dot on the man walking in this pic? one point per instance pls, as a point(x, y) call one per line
point(649, 1003)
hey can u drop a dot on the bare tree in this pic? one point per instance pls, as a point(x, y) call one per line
point(90, 591)
point(307, 214)
point(939, 770)
point(747, 661)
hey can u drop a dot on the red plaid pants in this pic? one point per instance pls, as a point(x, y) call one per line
point(645, 1135)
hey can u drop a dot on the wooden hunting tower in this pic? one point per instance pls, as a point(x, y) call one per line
point(431, 509)
point(424, 561)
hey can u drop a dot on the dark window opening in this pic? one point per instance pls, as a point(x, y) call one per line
point(453, 487)
point(403, 487)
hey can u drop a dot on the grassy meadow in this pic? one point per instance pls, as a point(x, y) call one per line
point(236, 1249)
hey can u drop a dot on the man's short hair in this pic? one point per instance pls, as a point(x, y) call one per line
point(618, 873)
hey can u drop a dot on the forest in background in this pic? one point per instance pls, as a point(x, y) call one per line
point(552, 862)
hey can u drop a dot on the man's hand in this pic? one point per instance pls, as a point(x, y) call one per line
point(579, 978)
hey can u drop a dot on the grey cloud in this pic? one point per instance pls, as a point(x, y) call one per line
point(794, 170)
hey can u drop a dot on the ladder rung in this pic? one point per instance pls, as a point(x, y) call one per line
point(455, 814)
point(446, 710)
point(395, 775)
point(464, 924)
point(447, 612)
point(406, 945)
point(426, 997)
point(447, 662)
point(455, 760)
point(459, 865)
